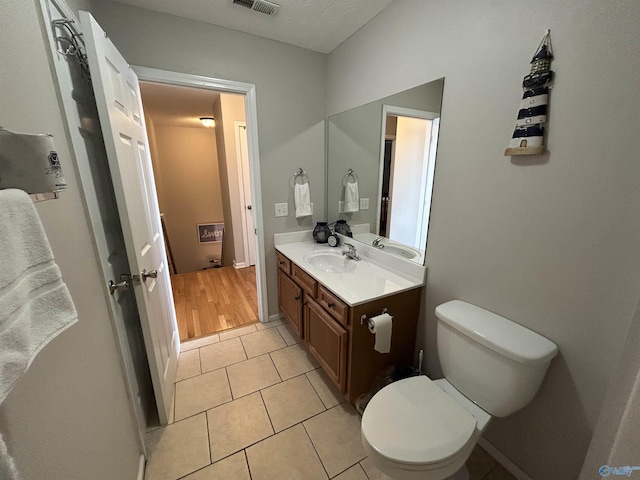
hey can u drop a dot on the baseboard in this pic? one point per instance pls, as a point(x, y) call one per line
point(511, 467)
point(273, 318)
point(141, 468)
point(239, 265)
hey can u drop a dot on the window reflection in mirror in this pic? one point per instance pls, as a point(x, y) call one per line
point(357, 139)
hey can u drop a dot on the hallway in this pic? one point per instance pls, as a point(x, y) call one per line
point(213, 300)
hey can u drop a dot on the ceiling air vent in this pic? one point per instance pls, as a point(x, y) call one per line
point(261, 6)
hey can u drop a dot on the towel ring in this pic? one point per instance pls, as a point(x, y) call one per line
point(350, 174)
point(300, 173)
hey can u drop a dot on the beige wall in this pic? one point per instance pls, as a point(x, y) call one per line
point(69, 416)
point(290, 90)
point(228, 251)
point(232, 109)
point(188, 191)
point(549, 241)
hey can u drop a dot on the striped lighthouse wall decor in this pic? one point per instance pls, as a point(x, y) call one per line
point(528, 136)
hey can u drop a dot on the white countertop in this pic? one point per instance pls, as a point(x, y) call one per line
point(369, 281)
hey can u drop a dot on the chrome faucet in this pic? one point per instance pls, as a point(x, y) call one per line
point(378, 242)
point(351, 253)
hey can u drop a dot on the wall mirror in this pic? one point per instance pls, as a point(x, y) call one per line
point(390, 146)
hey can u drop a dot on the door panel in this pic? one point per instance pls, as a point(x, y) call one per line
point(327, 341)
point(120, 110)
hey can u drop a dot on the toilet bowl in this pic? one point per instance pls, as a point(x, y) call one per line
point(419, 429)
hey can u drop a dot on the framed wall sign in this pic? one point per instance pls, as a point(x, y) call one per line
point(210, 232)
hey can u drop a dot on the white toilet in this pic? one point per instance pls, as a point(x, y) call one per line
point(419, 429)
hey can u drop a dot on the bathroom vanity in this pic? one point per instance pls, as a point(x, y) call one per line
point(327, 299)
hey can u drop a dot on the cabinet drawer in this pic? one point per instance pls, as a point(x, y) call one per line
point(284, 263)
point(306, 281)
point(336, 307)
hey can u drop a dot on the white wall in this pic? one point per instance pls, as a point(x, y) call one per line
point(550, 241)
point(615, 440)
point(69, 416)
point(290, 88)
point(188, 191)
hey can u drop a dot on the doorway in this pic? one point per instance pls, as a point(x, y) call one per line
point(199, 149)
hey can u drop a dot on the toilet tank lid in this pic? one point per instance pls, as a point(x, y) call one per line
point(497, 333)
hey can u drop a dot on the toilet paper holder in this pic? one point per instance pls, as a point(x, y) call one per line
point(363, 317)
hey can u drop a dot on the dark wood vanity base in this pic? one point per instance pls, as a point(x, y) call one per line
point(335, 334)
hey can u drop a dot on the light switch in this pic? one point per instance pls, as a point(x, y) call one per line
point(282, 209)
point(364, 204)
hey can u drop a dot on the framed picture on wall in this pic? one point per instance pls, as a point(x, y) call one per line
point(210, 232)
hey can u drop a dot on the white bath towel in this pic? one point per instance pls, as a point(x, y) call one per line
point(351, 197)
point(302, 198)
point(35, 305)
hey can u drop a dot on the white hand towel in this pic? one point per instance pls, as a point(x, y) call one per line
point(351, 198)
point(302, 198)
point(35, 305)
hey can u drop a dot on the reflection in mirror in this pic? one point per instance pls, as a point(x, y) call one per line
point(391, 145)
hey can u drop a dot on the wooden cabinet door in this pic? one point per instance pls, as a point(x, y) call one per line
point(327, 341)
point(290, 301)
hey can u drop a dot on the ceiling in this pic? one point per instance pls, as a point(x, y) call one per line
point(319, 25)
point(177, 106)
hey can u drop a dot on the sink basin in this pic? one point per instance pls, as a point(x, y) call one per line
point(403, 252)
point(333, 262)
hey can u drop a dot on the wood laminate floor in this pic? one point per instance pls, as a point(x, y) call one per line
point(213, 300)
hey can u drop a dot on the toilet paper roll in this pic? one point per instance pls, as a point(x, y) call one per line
point(30, 162)
point(380, 326)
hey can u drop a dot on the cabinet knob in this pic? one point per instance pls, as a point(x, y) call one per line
point(297, 297)
point(330, 305)
point(280, 262)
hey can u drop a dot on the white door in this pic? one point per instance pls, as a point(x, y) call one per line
point(120, 109)
point(245, 184)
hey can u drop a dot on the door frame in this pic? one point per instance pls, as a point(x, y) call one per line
point(246, 235)
point(146, 74)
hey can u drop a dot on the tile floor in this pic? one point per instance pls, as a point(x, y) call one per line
point(252, 404)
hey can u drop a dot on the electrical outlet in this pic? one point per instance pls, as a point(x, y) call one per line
point(340, 206)
point(364, 204)
point(282, 209)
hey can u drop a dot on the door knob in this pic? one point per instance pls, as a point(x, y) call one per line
point(151, 274)
point(249, 207)
point(123, 284)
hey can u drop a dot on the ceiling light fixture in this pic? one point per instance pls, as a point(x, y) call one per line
point(208, 121)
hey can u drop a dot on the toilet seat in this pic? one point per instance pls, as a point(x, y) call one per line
point(414, 425)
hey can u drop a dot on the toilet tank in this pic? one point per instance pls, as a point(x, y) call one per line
point(494, 362)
